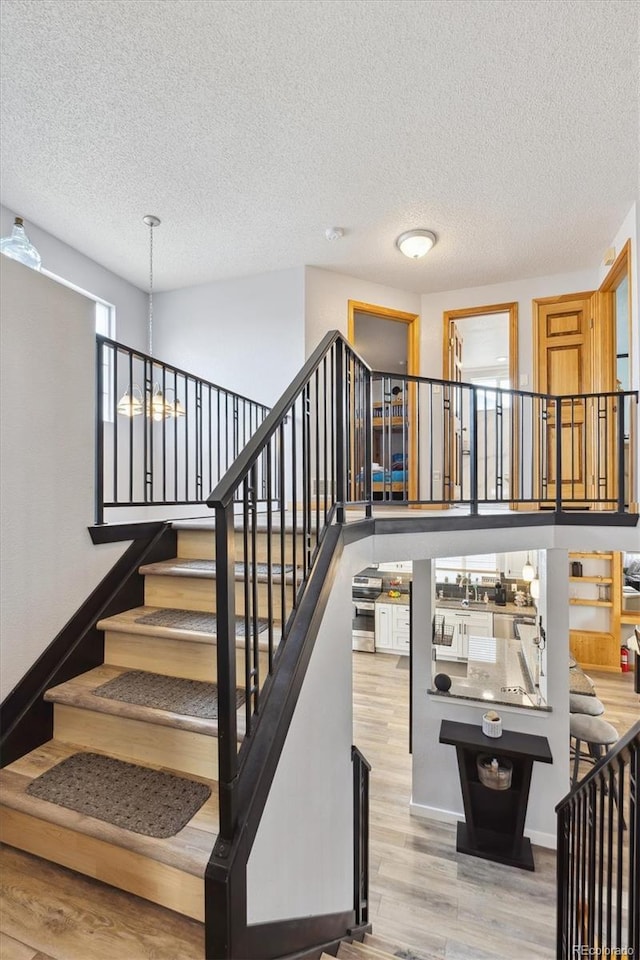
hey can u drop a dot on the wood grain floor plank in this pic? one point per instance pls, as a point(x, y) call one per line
point(11, 949)
point(71, 917)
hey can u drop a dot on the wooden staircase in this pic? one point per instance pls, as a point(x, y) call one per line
point(372, 948)
point(167, 871)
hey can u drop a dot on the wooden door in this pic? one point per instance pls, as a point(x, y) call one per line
point(453, 411)
point(563, 336)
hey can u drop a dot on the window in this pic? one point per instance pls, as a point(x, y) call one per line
point(486, 563)
point(487, 398)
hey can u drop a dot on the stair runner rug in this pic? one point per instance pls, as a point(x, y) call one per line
point(195, 698)
point(135, 798)
point(262, 569)
point(189, 620)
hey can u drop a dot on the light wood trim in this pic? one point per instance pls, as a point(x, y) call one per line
point(511, 308)
point(449, 317)
point(592, 554)
point(620, 266)
point(413, 369)
point(95, 858)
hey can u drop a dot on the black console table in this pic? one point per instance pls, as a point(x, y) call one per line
point(495, 818)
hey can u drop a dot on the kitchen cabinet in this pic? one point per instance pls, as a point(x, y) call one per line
point(393, 627)
point(465, 623)
point(514, 562)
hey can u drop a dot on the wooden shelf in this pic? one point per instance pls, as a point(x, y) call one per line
point(594, 556)
point(630, 617)
point(579, 602)
point(591, 579)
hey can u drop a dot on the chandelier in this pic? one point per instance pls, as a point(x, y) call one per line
point(152, 402)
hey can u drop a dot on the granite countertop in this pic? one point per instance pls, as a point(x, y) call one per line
point(511, 608)
point(494, 675)
point(403, 599)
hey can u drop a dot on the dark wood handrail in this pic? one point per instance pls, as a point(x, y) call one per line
point(223, 493)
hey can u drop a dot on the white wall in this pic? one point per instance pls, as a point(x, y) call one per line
point(520, 291)
point(71, 265)
point(326, 302)
point(49, 565)
point(307, 823)
point(246, 334)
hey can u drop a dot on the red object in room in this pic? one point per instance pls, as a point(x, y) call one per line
point(624, 660)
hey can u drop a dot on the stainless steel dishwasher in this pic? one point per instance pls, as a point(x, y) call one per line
point(503, 626)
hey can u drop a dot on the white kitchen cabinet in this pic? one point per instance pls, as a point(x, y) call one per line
point(401, 632)
point(397, 566)
point(464, 623)
point(513, 564)
point(392, 627)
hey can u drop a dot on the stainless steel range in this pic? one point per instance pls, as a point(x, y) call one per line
point(365, 591)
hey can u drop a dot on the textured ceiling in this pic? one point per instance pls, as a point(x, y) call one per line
point(508, 127)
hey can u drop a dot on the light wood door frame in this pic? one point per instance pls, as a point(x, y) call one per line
point(412, 321)
point(604, 373)
point(450, 317)
point(537, 304)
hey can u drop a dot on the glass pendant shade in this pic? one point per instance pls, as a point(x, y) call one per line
point(528, 573)
point(131, 404)
point(534, 588)
point(19, 247)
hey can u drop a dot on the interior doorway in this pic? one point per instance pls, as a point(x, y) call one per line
point(480, 346)
point(389, 341)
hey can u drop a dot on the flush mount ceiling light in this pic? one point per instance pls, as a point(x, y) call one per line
point(501, 359)
point(415, 243)
point(334, 233)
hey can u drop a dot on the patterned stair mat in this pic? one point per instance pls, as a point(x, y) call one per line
point(190, 620)
point(145, 801)
point(193, 698)
point(262, 569)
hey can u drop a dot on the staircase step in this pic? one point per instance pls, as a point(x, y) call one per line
point(196, 540)
point(167, 871)
point(178, 651)
point(367, 951)
point(131, 731)
point(189, 585)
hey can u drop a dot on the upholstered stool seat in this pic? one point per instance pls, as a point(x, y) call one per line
point(590, 706)
point(595, 732)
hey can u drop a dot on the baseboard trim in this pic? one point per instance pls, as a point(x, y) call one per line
point(423, 812)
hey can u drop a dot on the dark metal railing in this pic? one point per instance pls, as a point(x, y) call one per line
point(305, 461)
point(440, 442)
point(361, 769)
point(598, 858)
point(164, 437)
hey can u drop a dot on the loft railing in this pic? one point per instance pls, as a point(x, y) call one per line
point(275, 542)
point(282, 493)
point(164, 437)
point(443, 442)
point(598, 858)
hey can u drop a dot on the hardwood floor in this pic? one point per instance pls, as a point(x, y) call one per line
point(423, 894)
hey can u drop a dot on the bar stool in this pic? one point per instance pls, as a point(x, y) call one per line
point(596, 733)
point(582, 703)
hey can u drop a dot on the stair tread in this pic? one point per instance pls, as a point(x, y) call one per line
point(128, 622)
point(189, 850)
point(79, 692)
point(206, 570)
point(208, 524)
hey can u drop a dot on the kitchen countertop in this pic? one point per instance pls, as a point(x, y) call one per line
point(404, 599)
point(494, 664)
point(511, 608)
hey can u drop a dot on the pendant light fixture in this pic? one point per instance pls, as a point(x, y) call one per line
point(19, 247)
point(528, 571)
point(133, 402)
